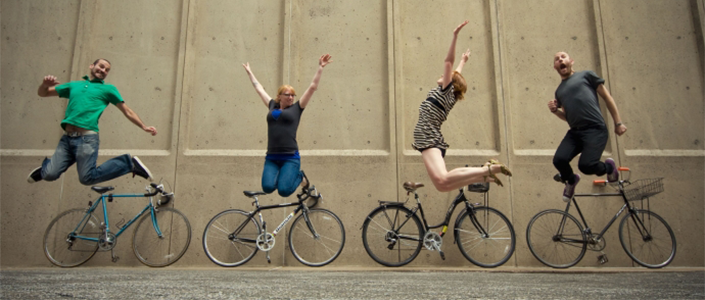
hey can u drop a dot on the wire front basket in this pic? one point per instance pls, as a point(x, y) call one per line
point(643, 188)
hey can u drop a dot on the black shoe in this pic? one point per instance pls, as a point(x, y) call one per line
point(35, 175)
point(139, 169)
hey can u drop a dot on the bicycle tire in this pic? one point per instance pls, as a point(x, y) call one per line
point(655, 250)
point(547, 246)
point(155, 251)
point(489, 251)
point(381, 231)
point(321, 250)
point(65, 252)
point(227, 251)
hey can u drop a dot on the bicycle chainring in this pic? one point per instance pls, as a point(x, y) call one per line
point(595, 243)
point(432, 241)
point(107, 241)
point(265, 241)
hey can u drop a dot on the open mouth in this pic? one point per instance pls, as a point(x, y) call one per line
point(563, 67)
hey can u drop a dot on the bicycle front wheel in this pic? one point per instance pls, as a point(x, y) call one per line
point(486, 237)
point(160, 251)
point(556, 239)
point(229, 239)
point(392, 235)
point(316, 237)
point(65, 250)
point(647, 239)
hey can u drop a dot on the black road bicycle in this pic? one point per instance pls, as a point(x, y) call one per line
point(316, 237)
point(558, 240)
point(393, 234)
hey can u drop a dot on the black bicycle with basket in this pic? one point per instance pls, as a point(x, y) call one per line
point(558, 240)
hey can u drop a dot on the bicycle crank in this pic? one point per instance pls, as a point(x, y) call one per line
point(107, 241)
point(265, 241)
point(596, 243)
point(432, 241)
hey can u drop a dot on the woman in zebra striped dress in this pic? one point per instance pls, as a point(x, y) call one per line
point(427, 133)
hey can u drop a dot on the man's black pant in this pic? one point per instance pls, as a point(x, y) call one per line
point(589, 142)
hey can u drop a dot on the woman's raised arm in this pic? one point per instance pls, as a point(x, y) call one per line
point(322, 62)
point(258, 87)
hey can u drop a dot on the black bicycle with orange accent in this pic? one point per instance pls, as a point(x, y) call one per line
point(558, 240)
point(393, 234)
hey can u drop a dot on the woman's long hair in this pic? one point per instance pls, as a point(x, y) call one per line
point(459, 86)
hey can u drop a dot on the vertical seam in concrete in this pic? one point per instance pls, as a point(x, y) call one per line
point(288, 71)
point(288, 21)
point(78, 41)
point(181, 69)
point(699, 16)
point(499, 87)
point(604, 65)
point(391, 71)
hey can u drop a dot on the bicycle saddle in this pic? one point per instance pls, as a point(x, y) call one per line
point(252, 194)
point(102, 189)
point(411, 187)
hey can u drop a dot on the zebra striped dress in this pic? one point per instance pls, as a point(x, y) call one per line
point(432, 113)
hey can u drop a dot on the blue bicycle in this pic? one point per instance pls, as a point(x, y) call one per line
point(161, 237)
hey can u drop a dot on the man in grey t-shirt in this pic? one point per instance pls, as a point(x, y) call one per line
point(576, 103)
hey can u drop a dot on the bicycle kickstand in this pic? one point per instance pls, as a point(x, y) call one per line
point(113, 256)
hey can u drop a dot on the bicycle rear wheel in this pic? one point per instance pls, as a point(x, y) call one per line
point(156, 251)
point(65, 251)
point(319, 240)
point(392, 235)
point(229, 238)
point(488, 249)
point(556, 239)
point(647, 239)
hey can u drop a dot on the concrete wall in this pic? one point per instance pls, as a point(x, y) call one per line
point(178, 64)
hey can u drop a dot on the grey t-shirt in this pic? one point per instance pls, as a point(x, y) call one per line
point(281, 128)
point(577, 95)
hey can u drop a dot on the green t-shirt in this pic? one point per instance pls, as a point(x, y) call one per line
point(87, 100)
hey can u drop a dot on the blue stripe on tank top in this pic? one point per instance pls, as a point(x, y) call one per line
point(276, 113)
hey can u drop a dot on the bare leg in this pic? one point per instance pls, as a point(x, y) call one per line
point(445, 181)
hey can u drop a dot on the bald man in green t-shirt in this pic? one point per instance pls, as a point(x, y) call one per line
point(80, 142)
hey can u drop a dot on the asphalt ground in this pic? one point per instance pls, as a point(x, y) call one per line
point(313, 283)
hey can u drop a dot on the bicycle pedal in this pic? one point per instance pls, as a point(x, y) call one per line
point(602, 259)
point(443, 255)
point(115, 259)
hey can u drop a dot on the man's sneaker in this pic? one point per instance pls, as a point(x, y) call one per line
point(569, 190)
point(139, 169)
point(614, 176)
point(35, 175)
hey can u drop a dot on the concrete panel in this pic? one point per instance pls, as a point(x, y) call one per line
point(419, 53)
point(649, 42)
point(37, 40)
point(222, 109)
point(528, 46)
point(143, 47)
point(354, 86)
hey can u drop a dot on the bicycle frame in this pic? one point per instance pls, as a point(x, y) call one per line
point(102, 200)
point(588, 230)
point(258, 211)
point(458, 199)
